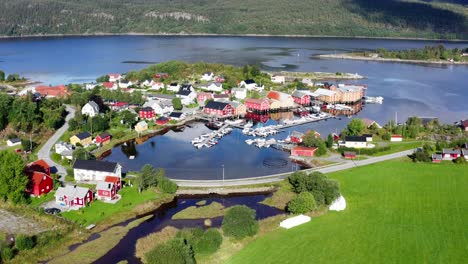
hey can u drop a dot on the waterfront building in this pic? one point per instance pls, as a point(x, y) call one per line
point(301, 98)
point(146, 113)
point(278, 79)
point(239, 108)
point(259, 105)
point(95, 170)
point(302, 151)
point(141, 126)
point(285, 100)
point(239, 93)
point(219, 109)
point(103, 138)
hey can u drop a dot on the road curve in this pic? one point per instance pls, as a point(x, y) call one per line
point(279, 177)
point(44, 152)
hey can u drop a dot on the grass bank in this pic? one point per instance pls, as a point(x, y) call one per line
point(397, 212)
point(211, 210)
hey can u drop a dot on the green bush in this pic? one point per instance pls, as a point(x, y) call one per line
point(174, 251)
point(324, 190)
point(421, 156)
point(23, 242)
point(240, 222)
point(302, 203)
point(166, 185)
point(460, 160)
point(366, 151)
point(202, 242)
point(6, 253)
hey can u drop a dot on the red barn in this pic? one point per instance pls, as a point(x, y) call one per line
point(103, 138)
point(39, 183)
point(146, 113)
point(301, 98)
point(218, 109)
point(257, 104)
point(303, 151)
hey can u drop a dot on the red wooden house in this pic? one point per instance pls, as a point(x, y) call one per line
point(219, 109)
point(146, 113)
point(303, 151)
point(119, 106)
point(39, 183)
point(202, 97)
point(162, 120)
point(115, 180)
point(261, 105)
point(220, 79)
point(106, 191)
point(73, 196)
point(451, 154)
point(301, 98)
point(103, 138)
point(349, 155)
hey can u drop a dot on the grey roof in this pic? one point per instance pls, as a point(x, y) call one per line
point(94, 105)
point(104, 185)
point(234, 104)
point(218, 84)
point(299, 93)
point(216, 105)
point(249, 81)
point(217, 96)
point(146, 109)
point(451, 151)
point(95, 165)
point(175, 114)
point(15, 140)
point(72, 191)
point(104, 135)
point(162, 96)
point(83, 135)
point(436, 156)
point(355, 138)
point(464, 152)
point(184, 92)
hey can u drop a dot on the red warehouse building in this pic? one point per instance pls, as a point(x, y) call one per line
point(218, 109)
point(146, 113)
point(303, 151)
point(301, 98)
point(261, 105)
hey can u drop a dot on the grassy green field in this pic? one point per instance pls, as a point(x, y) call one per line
point(398, 212)
point(98, 211)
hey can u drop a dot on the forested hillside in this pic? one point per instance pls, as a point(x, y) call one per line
point(383, 18)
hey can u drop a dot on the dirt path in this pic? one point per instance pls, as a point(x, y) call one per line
point(11, 223)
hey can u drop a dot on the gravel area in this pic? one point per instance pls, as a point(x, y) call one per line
point(11, 223)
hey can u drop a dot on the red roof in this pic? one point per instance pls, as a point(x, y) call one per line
point(114, 75)
point(120, 104)
point(397, 136)
point(256, 101)
point(108, 84)
point(41, 163)
point(38, 177)
point(53, 91)
point(112, 179)
point(464, 123)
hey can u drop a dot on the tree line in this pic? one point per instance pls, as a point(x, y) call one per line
point(438, 52)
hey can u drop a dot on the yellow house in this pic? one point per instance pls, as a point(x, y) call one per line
point(274, 105)
point(239, 109)
point(83, 138)
point(141, 126)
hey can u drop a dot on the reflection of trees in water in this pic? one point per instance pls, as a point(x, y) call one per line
point(282, 116)
point(129, 149)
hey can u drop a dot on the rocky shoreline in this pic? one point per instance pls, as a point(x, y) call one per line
point(345, 56)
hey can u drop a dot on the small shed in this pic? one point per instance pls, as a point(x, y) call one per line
point(349, 155)
point(13, 142)
point(162, 120)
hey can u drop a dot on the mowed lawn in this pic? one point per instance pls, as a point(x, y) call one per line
point(398, 212)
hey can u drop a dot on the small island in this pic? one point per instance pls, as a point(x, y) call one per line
point(429, 54)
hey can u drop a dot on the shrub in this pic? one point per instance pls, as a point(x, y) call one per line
point(422, 156)
point(366, 151)
point(240, 222)
point(324, 190)
point(460, 160)
point(6, 253)
point(174, 251)
point(202, 242)
point(166, 185)
point(23, 242)
point(302, 203)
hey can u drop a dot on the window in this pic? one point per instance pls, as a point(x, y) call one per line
point(47, 187)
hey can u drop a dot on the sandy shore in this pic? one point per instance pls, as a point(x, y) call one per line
point(345, 56)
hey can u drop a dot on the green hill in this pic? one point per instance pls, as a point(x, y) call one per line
point(383, 18)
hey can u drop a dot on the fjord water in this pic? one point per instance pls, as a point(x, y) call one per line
point(409, 89)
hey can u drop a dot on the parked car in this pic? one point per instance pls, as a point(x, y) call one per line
point(52, 211)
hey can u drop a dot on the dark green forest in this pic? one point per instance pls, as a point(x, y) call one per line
point(384, 18)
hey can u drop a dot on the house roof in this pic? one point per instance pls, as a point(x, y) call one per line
point(162, 118)
point(436, 156)
point(216, 105)
point(396, 136)
point(14, 140)
point(234, 104)
point(112, 179)
point(120, 104)
point(278, 95)
point(219, 96)
point(53, 91)
point(451, 151)
point(95, 165)
point(300, 94)
point(83, 135)
point(72, 191)
point(238, 90)
point(464, 123)
point(183, 91)
point(205, 94)
point(146, 109)
point(355, 138)
point(93, 105)
point(142, 123)
point(104, 135)
point(325, 92)
point(257, 101)
point(104, 185)
point(368, 122)
point(249, 81)
point(37, 177)
point(162, 96)
point(304, 148)
point(175, 114)
point(42, 163)
point(108, 84)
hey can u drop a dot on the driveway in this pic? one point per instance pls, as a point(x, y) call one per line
point(44, 152)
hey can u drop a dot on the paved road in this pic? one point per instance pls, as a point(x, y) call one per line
point(278, 177)
point(44, 152)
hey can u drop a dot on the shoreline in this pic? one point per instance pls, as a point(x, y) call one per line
point(104, 34)
point(345, 56)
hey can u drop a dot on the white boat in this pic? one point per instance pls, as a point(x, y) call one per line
point(249, 141)
point(374, 100)
point(234, 122)
point(248, 125)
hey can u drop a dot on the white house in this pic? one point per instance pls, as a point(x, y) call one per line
point(250, 85)
point(64, 149)
point(160, 107)
point(173, 87)
point(90, 109)
point(90, 86)
point(187, 94)
point(125, 84)
point(214, 87)
point(114, 77)
point(307, 82)
point(13, 142)
point(156, 85)
point(278, 78)
point(239, 93)
point(396, 138)
point(207, 76)
point(355, 142)
point(146, 83)
point(95, 170)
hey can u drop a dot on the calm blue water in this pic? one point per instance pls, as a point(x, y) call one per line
point(409, 89)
